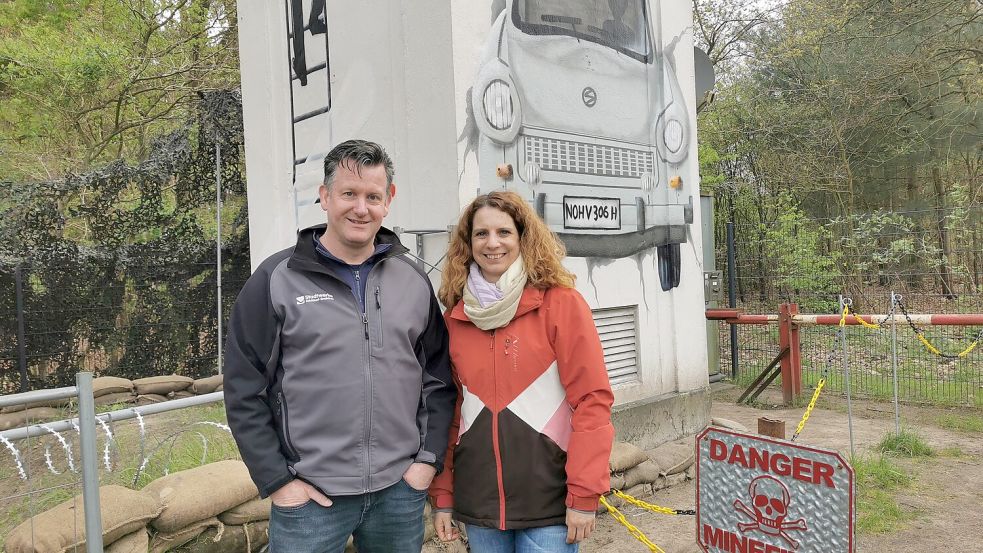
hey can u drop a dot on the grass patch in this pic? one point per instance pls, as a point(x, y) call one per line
point(953, 452)
point(878, 478)
point(905, 444)
point(962, 423)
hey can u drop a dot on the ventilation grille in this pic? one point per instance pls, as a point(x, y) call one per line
point(618, 329)
point(589, 159)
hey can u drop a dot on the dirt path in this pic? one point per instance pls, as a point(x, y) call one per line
point(946, 497)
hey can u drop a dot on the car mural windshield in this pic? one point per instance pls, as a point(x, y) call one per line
point(618, 24)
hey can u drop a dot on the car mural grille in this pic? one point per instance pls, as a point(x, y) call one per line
point(552, 154)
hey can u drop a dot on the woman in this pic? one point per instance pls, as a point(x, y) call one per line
point(529, 447)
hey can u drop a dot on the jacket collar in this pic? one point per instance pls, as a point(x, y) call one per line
point(531, 300)
point(306, 258)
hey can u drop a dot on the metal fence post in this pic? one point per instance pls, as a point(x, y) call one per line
point(218, 247)
point(732, 296)
point(846, 375)
point(90, 466)
point(21, 337)
point(894, 364)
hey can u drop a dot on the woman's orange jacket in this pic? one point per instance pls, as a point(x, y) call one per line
point(532, 429)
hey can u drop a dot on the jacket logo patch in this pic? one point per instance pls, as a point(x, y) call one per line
point(314, 298)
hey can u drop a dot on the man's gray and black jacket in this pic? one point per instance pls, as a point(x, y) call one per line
point(319, 389)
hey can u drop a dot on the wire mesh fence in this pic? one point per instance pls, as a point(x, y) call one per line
point(107, 315)
point(41, 467)
point(865, 258)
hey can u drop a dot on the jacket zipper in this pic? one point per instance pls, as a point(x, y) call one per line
point(361, 303)
point(367, 353)
point(283, 426)
point(495, 445)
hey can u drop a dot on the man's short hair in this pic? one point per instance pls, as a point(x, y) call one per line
point(356, 154)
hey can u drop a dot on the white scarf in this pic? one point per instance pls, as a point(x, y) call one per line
point(500, 313)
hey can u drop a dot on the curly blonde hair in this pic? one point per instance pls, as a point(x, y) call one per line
point(541, 250)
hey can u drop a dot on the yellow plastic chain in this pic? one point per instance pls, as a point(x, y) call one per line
point(634, 531)
point(812, 405)
point(648, 506)
point(928, 345)
point(971, 347)
point(858, 318)
point(937, 351)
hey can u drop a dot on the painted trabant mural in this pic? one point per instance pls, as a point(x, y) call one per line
point(584, 107)
point(575, 96)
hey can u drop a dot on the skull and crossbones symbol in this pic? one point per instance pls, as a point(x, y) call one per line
point(770, 499)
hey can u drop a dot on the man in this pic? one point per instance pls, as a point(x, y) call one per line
point(338, 387)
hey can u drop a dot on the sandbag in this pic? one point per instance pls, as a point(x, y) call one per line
point(667, 481)
point(206, 385)
point(27, 416)
point(673, 457)
point(13, 408)
point(111, 385)
point(219, 388)
point(137, 542)
point(62, 528)
point(56, 403)
point(161, 385)
point(180, 394)
point(617, 481)
point(729, 424)
point(625, 456)
point(250, 511)
point(245, 537)
point(162, 541)
point(645, 473)
point(148, 399)
point(428, 529)
point(116, 397)
point(182, 493)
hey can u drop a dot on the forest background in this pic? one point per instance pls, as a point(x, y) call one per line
point(842, 139)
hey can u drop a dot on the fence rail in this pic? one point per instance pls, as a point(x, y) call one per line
point(115, 447)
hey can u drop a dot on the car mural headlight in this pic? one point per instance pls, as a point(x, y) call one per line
point(495, 102)
point(498, 104)
point(672, 135)
point(672, 128)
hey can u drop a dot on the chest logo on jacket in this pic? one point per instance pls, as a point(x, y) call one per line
point(314, 298)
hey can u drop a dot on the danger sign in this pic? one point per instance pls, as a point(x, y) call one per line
point(761, 495)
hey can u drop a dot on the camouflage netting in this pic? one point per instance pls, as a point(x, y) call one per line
point(118, 265)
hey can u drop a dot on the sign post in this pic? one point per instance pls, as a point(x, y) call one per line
point(763, 495)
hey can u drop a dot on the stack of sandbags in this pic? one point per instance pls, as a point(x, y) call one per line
point(125, 513)
point(250, 536)
point(155, 389)
point(17, 418)
point(108, 390)
point(207, 385)
point(640, 473)
point(188, 511)
point(631, 471)
point(675, 460)
point(245, 527)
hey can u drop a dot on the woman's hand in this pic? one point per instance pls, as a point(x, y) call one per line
point(579, 525)
point(444, 526)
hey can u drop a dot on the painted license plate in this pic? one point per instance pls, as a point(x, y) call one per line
point(591, 213)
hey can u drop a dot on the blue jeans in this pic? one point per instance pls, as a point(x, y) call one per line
point(546, 539)
point(389, 520)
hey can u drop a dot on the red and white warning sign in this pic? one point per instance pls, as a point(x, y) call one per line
point(761, 495)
